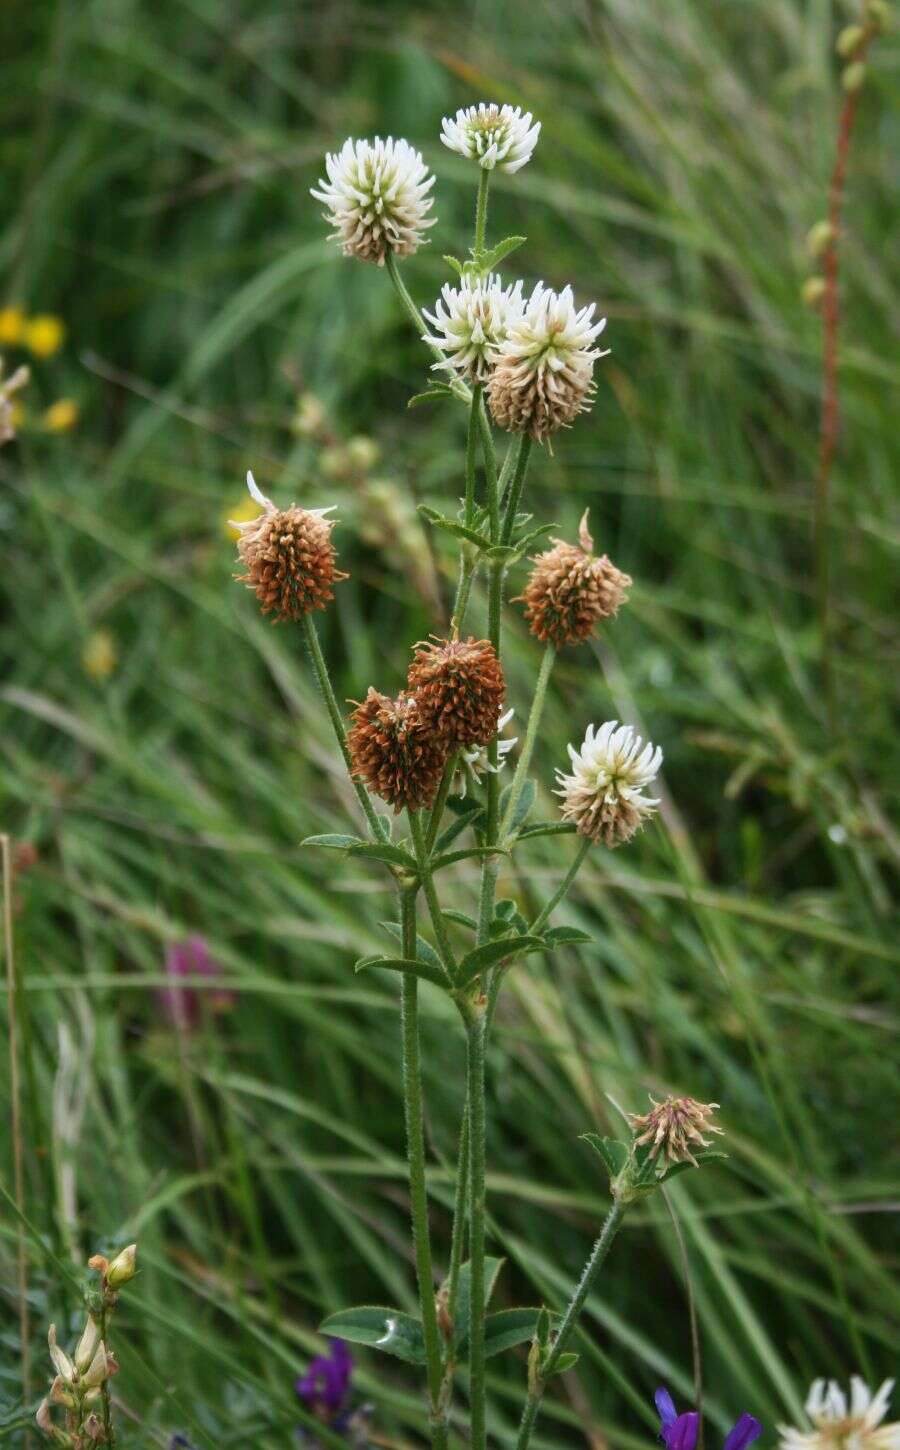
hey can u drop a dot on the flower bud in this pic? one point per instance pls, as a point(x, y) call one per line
point(93, 1428)
point(60, 1394)
point(819, 236)
point(87, 1345)
point(812, 291)
point(848, 40)
point(64, 1367)
point(878, 13)
point(98, 1371)
point(122, 1268)
point(853, 77)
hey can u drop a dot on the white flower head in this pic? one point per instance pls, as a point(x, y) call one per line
point(13, 384)
point(543, 369)
point(839, 1426)
point(377, 198)
point(471, 321)
point(604, 794)
point(492, 135)
point(472, 764)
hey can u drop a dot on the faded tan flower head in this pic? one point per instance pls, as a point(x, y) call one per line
point(289, 557)
point(14, 383)
point(460, 688)
point(543, 370)
point(570, 590)
point(394, 752)
point(672, 1128)
point(603, 796)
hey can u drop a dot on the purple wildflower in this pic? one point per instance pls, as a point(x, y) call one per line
point(183, 1005)
point(326, 1384)
point(679, 1432)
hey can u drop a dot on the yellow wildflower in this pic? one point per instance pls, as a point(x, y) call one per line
point(100, 655)
point(239, 513)
point(12, 320)
point(44, 335)
point(61, 416)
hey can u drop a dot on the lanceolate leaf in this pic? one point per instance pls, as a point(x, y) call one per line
point(492, 1268)
point(523, 806)
point(562, 936)
point(424, 950)
point(546, 828)
point(466, 818)
point(460, 531)
point(390, 855)
point(333, 842)
point(613, 1153)
point(486, 261)
point(508, 1328)
point(495, 951)
point(469, 852)
point(386, 1329)
point(404, 964)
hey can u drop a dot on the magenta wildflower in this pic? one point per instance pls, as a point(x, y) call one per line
point(326, 1385)
point(679, 1432)
point(183, 1006)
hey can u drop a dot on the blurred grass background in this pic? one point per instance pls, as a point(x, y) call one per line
point(163, 751)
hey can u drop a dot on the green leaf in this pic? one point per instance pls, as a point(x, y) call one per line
point(563, 936)
point(707, 1156)
point(542, 1328)
point(492, 1268)
point(333, 842)
point(464, 819)
point(524, 544)
point(547, 828)
point(386, 1329)
point(613, 1153)
point(460, 918)
point(465, 854)
point(503, 553)
point(382, 851)
point(495, 951)
point(435, 394)
point(385, 826)
point(450, 526)
point(404, 964)
point(565, 1361)
point(486, 261)
point(524, 806)
point(424, 950)
point(454, 262)
point(508, 1328)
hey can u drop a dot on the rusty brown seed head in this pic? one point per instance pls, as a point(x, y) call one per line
point(460, 688)
point(394, 752)
point(289, 558)
point(570, 590)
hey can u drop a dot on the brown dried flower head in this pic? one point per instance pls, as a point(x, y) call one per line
point(672, 1127)
point(542, 375)
point(460, 688)
point(394, 752)
point(289, 557)
point(571, 589)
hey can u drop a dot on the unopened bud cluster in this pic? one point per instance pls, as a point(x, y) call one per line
point(80, 1383)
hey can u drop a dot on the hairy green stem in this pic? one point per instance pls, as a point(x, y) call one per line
point(456, 385)
point(490, 469)
point(601, 1248)
point(337, 721)
point(109, 1434)
point(467, 571)
point(481, 206)
point(471, 453)
point(523, 453)
point(445, 951)
point(437, 810)
point(415, 1148)
point(475, 1047)
point(534, 720)
point(546, 912)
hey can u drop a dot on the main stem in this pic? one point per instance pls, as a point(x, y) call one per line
point(321, 671)
point(475, 1048)
point(415, 1148)
point(601, 1248)
point(534, 720)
